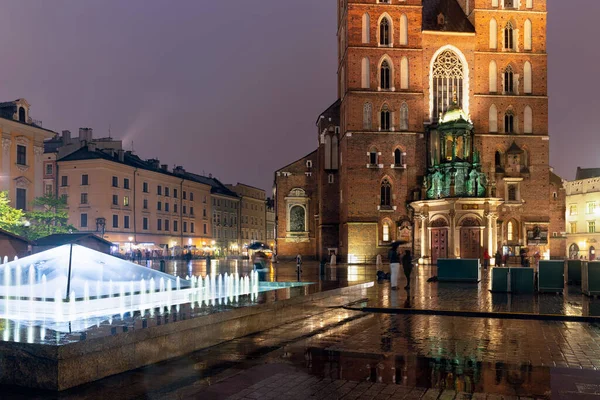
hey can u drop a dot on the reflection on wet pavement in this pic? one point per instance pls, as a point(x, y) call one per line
point(342, 354)
point(473, 297)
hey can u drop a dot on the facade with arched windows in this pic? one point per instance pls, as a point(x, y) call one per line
point(442, 123)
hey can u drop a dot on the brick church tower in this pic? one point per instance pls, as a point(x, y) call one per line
point(439, 137)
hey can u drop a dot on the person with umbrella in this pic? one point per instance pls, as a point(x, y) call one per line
point(394, 265)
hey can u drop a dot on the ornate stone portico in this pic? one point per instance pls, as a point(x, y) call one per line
point(457, 216)
point(456, 227)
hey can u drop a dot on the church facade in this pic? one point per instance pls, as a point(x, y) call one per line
point(439, 137)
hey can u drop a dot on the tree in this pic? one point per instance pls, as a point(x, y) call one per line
point(11, 219)
point(49, 216)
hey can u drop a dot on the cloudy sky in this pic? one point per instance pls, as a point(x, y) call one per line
point(233, 88)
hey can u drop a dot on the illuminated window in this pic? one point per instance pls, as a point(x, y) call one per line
point(591, 207)
point(573, 209)
point(126, 201)
point(386, 232)
point(573, 226)
point(448, 75)
point(591, 226)
point(510, 230)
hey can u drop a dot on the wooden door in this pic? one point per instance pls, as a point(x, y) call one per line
point(439, 244)
point(470, 243)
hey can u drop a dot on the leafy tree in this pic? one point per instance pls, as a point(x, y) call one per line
point(49, 216)
point(11, 219)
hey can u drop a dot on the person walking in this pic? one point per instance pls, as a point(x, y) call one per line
point(407, 265)
point(486, 259)
point(498, 258)
point(394, 266)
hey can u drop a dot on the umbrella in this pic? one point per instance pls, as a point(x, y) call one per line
point(257, 246)
point(399, 243)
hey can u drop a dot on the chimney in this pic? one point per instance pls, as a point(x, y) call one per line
point(121, 154)
point(164, 167)
point(66, 137)
point(92, 146)
point(210, 176)
point(179, 170)
point(154, 163)
point(85, 134)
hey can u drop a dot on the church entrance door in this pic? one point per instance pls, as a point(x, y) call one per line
point(439, 244)
point(469, 242)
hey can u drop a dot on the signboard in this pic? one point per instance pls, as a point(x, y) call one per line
point(537, 235)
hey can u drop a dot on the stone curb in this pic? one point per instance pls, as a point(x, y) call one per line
point(477, 314)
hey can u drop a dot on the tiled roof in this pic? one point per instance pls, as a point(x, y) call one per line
point(455, 19)
point(587, 173)
point(134, 161)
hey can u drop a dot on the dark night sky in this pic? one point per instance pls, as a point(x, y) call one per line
point(234, 87)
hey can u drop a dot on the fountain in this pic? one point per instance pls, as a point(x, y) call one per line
point(88, 284)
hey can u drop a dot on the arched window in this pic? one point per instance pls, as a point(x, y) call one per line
point(527, 86)
point(398, 158)
point(510, 230)
point(385, 75)
point(509, 36)
point(297, 219)
point(366, 26)
point(528, 120)
point(386, 232)
point(22, 114)
point(385, 122)
point(365, 73)
point(448, 76)
point(493, 34)
point(367, 116)
point(493, 119)
point(373, 157)
point(493, 71)
point(386, 193)
point(404, 73)
point(509, 122)
point(384, 32)
point(528, 35)
point(509, 80)
point(404, 117)
point(529, 4)
point(403, 30)
point(498, 159)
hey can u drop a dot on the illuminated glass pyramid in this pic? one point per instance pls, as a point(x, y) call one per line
point(95, 273)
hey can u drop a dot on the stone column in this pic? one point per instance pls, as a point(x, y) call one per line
point(452, 235)
point(5, 172)
point(488, 233)
point(424, 236)
point(494, 233)
point(38, 171)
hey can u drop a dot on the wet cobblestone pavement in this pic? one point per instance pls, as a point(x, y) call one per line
point(345, 354)
point(476, 297)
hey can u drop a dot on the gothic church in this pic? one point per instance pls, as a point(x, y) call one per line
point(439, 137)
